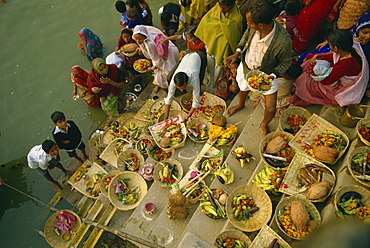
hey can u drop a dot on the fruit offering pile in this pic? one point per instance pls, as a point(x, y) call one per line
point(210, 111)
point(171, 135)
point(198, 132)
point(222, 135)
point(260, 82)
point(229, 242)
point(269, 179)
point(213, 204)
point(364, 130)
point(158, 154)
point(169, 174)
point(296, 122)
point(360, 165)
point(132, 162)
point(243, 207)
point(350, 206)
point(124, 193)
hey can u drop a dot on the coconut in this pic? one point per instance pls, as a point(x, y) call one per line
point(318, 190)
point(165, 142)
point(179, 213)
point(276, 145)
point(219, 120)
point(177, 199)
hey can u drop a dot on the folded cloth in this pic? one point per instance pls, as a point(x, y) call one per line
point(321, 70)
point(162, 48)
point(65, 221)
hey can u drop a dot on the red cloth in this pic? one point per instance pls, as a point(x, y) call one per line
point(93, 80)
point(65, 221)
point(162, 48)
point(79, 76)
point(198, 46)
point(309, 22)
point(309, 91)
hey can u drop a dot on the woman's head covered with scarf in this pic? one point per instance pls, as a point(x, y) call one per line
point(96, 65)
point(363, 22)
point(140, 34)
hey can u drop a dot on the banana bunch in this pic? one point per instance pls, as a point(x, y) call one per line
point(97, 177)
point(205, 164)
point(242, 155)
point(222, 141)
point(164, 173)
point(172, 129)
point(212, 207)
point(130, 199)
point(225, 175)
point(209, 210)
point(268, 179)
point(141, 146)
point(132, 126)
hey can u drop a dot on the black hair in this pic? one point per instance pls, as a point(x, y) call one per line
point(180, 78)
point(132, 14)
point(47, 145)
point(294, 71)
point(121, 6)
point(261, 11)
point(226, 2)
point(342, 38)
point(166, 15)
point(134, 3)
point(57, 116)
point(191, 30)
point(293, 7)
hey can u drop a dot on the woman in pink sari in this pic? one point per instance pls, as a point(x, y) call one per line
point(309, 21)
point(347, 80)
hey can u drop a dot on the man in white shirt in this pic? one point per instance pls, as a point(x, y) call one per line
point(265, 46)
point(41, 158)
point(190, 71)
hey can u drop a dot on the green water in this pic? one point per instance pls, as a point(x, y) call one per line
point(38, 41)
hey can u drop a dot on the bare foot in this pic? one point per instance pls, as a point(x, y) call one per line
point(69, 171)
point(156, 88)
point(265, 130)
point(234, 109)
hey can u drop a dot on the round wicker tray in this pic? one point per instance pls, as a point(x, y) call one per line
point(121, 165)
point(289, 111)
point(365, 193)
point(363, 121)
point(199, 120)
point(95, 153)
point(160, 165)
point(103, 186)
point(232, 233)
point(259, 218)
point(349, 162)
point(49, 230)
point(309, 206)
point(185, 99)
point(135, 181)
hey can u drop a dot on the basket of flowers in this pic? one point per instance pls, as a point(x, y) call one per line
point(258, 81)
point(130, 159)
point(198, 129)
point(293, 119)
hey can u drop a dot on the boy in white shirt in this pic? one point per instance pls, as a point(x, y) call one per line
point(42, 157)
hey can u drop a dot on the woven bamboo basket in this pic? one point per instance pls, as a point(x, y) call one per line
point(289, 111)
point(172, 114)
point(207, 149)
point(365, 193)
point(157, 108)
point(363, 121)
point(199, 120)
point(209, 100)
point(312, 210)
point(103, 186)
point(267, 139)
point(123, 117)
point(96, 138)
point(186, 101)
point(231, 233)
point(81, 184)
point(109, 135)
point(144, 112)
point(349, 165)
point(135, 181)
point(256, 72)
point(157, 129)
point(58, 240)
point(259, 218)
point(95, 153)
point(313, 127)
point(121, 165)
point(216, 197)
point(290, 184)
point(113, 150)
point(143, 149)
point(160, 165)
point(265, 237)
point(167, 154)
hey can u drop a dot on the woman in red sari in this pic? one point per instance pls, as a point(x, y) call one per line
point(309, 21)
point(79, 81)
point(344, 85)
point(108, 83)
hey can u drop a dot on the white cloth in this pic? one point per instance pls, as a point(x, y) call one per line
point(181, 17)
point(354, 93)
point(253, 59)
point(149, 51)
point(321, 69)
point(190, 65)
point(115, 59)
point(59, 130)
point(38, 158)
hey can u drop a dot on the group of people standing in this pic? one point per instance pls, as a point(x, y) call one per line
point(238, 36)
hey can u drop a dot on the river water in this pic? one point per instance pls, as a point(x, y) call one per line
point(38, 47)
